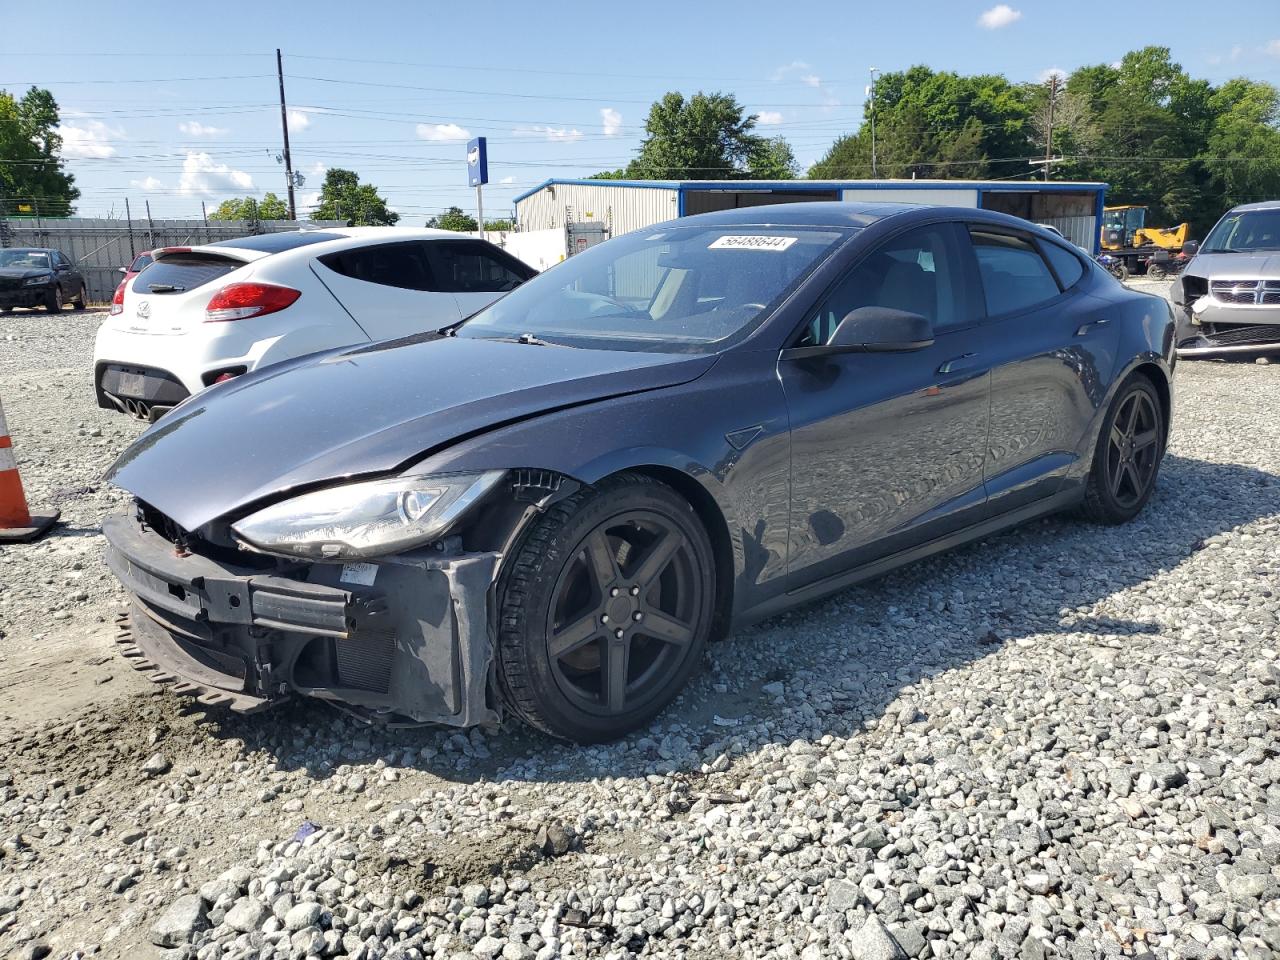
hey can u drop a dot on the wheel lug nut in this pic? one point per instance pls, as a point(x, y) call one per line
point(618, 634)
point(635, 591)
point(604, 618)
point(637, 616)
point(614, 592)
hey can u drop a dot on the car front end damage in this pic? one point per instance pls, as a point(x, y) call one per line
point(406, 637)
point(1226, 316)
point(18, 290)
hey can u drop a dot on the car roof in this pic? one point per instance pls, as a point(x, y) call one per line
point(318, 241)
point(1260, 205)
point(853, 214)
point(32, 249)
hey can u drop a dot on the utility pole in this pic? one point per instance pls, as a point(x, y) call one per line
point(204, 215)
point(284, 126)
point(128, 219)
point(151, 226)
point(872, 92)
point(1048, 146)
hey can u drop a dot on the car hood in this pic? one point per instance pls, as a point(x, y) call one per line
point(364, 410)
point(1263, 265)
point(22, 273)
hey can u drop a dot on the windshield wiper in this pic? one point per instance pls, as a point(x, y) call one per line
point(165, 288)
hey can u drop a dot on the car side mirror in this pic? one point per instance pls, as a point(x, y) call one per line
point(873, 330)
point(1191, 248)
point(123, 270)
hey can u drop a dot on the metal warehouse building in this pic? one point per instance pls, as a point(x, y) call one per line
point(594, 209)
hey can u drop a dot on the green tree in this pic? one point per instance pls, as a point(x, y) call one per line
point(706, 137)
point(32, 179)
point(270, 207)
point(453, 219)
point(344, 197)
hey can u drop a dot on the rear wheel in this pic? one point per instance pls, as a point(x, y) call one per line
point(53, 303)
point(605, 610)
point(1128, 456)
point(82, 299)
point(1156, 271)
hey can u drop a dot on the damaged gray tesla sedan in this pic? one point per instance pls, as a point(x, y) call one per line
point(550, 508)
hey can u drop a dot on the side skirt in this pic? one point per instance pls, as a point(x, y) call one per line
point(876, 568)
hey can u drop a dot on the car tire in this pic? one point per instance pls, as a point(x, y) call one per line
point(82, 299)
point(1126, 462)
point(1156, 272)
point(605, 608)
point(53, 303)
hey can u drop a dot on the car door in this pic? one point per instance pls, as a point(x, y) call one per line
point(888, 448)
point(474, 271)
point(1052, 352)
point(67, 275)
point(388, 288)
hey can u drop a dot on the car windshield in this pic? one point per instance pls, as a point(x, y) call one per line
point(1245, 232)
point(677, 289)
point(25, 258)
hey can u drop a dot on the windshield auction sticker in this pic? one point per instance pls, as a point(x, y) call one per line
point(752, 243)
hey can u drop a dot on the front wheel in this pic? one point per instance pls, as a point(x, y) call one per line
point(53, 302)
point(1156, 271)
point(1127, 459)
point(605, 609)
point(82, 299)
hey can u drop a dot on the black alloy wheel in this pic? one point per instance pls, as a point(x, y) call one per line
point(1128, 456)
point(82, 299)
point(606, 610)
point(54, 303)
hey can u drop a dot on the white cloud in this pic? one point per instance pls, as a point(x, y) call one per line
point(203, 176)
point(1050, 72)
point(507, 180)
point(768, 118)
point(612, 121)
point(559, 134)
point(1272, 49)
point(795, 66)
point(1001, 15)
point(194, 128)
point(306, 201)
point(150, 184)
point(445, 132)
point(299, 120)
point(88, 138)
point(811, 80)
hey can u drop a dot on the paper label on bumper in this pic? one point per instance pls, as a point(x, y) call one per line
point(361, 573)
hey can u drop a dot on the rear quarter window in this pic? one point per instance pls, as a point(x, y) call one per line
point(474, 267)
point(1014, 275)
point(1065, 264)
point(181, 272)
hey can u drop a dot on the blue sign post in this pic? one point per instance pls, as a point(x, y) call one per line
point(478, 175)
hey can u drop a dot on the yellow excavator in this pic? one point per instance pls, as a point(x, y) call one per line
point(1126, 236)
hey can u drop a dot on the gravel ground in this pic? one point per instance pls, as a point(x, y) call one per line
point(1061, 742)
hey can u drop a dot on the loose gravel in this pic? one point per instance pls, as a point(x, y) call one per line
point(1061, 742)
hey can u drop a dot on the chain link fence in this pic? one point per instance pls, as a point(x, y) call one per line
point(99, 247)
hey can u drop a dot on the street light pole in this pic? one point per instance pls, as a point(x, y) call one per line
point(872, 90)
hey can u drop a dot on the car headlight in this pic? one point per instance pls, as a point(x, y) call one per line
point(37, 281)
point(365, 519)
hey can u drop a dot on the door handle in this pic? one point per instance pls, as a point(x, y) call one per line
point(963, 362)
point(1086, 327)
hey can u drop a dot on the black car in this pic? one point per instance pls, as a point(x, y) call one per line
point(550, 508)
point(39, 277)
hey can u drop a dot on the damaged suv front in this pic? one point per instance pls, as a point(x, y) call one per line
point(1229, 294)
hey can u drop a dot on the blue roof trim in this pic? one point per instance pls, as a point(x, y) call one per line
point(813, 186)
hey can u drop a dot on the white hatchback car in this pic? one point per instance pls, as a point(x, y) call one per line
point(200, 315)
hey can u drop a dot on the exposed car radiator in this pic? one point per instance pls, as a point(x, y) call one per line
point(364, 661)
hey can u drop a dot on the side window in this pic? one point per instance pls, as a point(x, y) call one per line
point(1014, 275)
point(60, 260)
point(918, 272)
point(1065, 264)
point(389, 265)
point(462, 267)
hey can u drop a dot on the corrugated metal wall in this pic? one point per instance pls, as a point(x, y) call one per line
point(623, 208)
point(99, 247)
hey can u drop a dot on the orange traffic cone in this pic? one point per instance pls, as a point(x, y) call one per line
point(17, 525)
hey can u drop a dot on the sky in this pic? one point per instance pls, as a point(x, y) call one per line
point(175, 108)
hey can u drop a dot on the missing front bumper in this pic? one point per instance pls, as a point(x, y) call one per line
point(414, 644)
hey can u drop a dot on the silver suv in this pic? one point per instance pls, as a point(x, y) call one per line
point(1229, 294)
